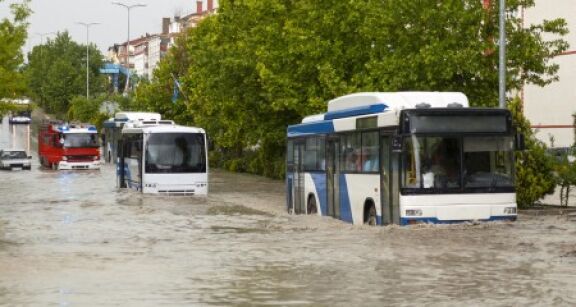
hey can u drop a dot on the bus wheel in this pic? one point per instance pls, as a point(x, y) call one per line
point(370, 216)
point(312, 209)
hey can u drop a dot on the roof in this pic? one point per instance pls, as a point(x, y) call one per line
point(128, 116)
point(397, 100)
point(164, 129)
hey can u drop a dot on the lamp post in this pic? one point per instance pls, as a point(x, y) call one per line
point(87, 25)
point(502, 57)
point(128, 8)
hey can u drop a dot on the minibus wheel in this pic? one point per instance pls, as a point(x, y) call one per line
point(312, 209)
point(370, 215)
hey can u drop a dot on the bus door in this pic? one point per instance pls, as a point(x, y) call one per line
point(332, 176)
point(387, 179)
point(298, 203)
point(390, 179)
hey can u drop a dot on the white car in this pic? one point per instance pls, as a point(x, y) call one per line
point(15, 159)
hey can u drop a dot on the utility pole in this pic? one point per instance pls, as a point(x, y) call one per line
point(502, 57)
point(128, 8)
point(88, 25)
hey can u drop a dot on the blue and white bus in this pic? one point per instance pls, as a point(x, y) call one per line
point(403, 158)
point(160, 157)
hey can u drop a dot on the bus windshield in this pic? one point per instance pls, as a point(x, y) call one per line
point(77, 140)
point(458, 163)
point(175, 153)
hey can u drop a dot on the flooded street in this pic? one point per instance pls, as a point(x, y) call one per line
point(70, 238)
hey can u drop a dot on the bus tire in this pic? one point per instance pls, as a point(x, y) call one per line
point(370, 215)
point(312, 208)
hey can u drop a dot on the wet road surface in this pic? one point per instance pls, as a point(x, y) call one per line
point(72, 239)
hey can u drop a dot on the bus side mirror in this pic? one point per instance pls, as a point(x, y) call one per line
point(397, 143)
point(520, 142)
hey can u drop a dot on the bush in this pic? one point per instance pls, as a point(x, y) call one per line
point(534, 167)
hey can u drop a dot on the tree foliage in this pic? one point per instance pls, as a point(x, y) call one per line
point(258, 66)
point(534, 167)
point(56, 72)
point(13, 34)
point(92, 111)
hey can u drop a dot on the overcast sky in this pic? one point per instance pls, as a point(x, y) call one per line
point(60, 15)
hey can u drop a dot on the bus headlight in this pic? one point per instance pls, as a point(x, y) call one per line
point(64, 158)
point(510, 210)
point(414, 212)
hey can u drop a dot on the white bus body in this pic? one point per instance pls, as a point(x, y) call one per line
point(159, 157)
point(403, 158)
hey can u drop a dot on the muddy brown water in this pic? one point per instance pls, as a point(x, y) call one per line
point(72, 239)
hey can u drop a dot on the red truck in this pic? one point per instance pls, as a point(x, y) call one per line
point(63, 146)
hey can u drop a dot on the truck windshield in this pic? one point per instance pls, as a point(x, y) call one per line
point(77, 140)
point(469, 163)
point(175, 153)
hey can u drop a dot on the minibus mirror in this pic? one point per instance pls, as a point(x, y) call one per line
point(397, 143)
point(520, 142)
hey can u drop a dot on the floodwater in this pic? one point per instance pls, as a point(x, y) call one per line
point(72, 239)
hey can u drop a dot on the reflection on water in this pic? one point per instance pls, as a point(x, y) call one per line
point(71, 238)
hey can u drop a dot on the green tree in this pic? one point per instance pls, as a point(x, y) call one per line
point(13, 34)
point(56, 72)
point(258, 66)
point(565, 170)
point(534, 167)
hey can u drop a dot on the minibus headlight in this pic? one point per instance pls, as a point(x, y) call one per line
point(510, 210)
point(414, 212)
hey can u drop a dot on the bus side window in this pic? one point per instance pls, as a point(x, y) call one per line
point(370, 159)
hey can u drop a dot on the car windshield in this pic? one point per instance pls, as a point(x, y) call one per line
point(77, 140)
point(13, 155)
point(175, 153)
point(458, 163)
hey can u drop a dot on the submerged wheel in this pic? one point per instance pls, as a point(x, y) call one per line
point(370, 216)
point(312, 208)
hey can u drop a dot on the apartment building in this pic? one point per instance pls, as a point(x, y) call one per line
point(550, 109)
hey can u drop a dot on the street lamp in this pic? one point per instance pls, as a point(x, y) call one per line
point(128, 8)
point(88, 25)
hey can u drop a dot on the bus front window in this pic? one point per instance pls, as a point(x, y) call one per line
point(479, 163)
point(432, 162)
point(175, 153)
point(488, 162)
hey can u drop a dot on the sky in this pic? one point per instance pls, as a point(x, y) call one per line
point(61, 15)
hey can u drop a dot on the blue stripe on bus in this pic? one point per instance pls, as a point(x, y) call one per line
point(363, 110)
point(433, 220)
point(320, 184)
point(311, 128)
point(345, 210)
